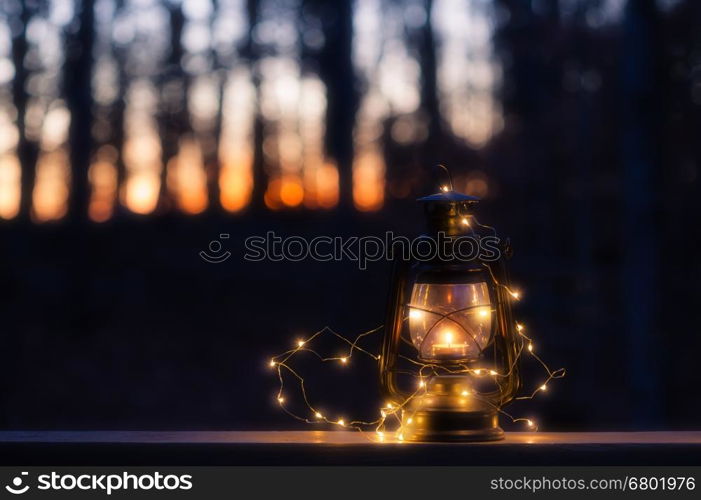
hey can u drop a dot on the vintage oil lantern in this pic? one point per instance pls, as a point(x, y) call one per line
point(451, 348)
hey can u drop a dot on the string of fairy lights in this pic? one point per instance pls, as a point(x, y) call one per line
point(389, 417)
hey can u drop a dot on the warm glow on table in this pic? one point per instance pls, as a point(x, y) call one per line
point(346, 438)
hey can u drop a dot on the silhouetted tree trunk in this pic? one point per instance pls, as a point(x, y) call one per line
point(27, 151)
point(173, 116)
point(336, 68)
point(250, 52)
point(429, 86)
point(77, 82)
point(118, 134)
point(212, 163)
point(118, 111)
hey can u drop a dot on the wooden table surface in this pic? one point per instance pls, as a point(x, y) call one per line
point(345, 438)
point(342, 448)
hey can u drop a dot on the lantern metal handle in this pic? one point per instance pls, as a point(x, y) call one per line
point(393, 327)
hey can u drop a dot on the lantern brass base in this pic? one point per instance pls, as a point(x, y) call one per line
point(449, 412)
point(452, 426)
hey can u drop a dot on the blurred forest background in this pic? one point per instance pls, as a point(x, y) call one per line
point(134, 132)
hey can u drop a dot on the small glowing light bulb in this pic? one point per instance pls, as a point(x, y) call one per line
point(530, 422)
point(300, 343)
point(515, 295)
point(465, 393)
point(400, 437)
point(409, 420)
point(492, 372)
point(519, 327)
point(272, 363)
point(448, 337)
point(341, 422)
point(344, 360)
point(383, 413)
point(530, 347)
point(484, 313)
point(422, 384)
point(543, 387)
point(318, 415)
point(465, 222)
point(444, 189)
point(415, 314)
point(478, 371)
point(280, 399)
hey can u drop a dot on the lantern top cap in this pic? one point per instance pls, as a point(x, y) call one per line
point(449, 196)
